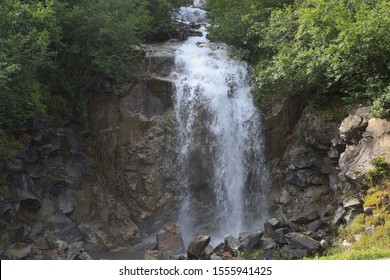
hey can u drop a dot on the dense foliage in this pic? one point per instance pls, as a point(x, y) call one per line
point(52, 51)
point(315, 48)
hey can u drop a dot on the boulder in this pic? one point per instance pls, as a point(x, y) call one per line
point(314, 226)
point(307, 217)
point(197, 246)
point(290, 253)
point(170, 240)
point(353, 203)
point(301, 241)
point(251, 242)
point(220, 249)
point(18, 251)
point(268, 243)
point(20, 235)
point(232, 243)
point(273, 224)
point(279, 235)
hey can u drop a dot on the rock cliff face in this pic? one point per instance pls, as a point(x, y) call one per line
point(105, 179)
point(132, 141)
point(318, 169)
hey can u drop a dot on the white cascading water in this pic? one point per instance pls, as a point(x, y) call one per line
point(222, 171)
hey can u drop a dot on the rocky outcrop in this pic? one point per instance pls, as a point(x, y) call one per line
point(366, 137)
point(319, 168)
point(105, 178)
point(132, 140)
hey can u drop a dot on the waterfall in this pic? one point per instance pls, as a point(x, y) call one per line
point(221, 167)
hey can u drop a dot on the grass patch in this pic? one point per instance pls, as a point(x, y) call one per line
point(368, 234)
point(357, 254)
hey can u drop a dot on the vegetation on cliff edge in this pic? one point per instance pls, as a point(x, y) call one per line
point(317, 49)
point(53, 51)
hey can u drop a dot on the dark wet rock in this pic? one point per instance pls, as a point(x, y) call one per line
point(273, 224)
point(66, 228)
point(42, 137)
point(37, 170)
point(30, 204)
point(5, 207)
point(72, 143)
point(15, 165)
point(314, 226)
point(303, 160)
point(21, 234)
point(197, 246)
point(251, 242)
point(40, 122)
point(290, 253)
point(313, 235)
point(279, 235)
point(3, 224)
point(307, 217)
point(301, 241)
point(243, 235)
point(268, 243)
point(269, 255)
point(170, 240)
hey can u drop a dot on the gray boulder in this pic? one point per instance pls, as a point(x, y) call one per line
point(301, 241)
point(251, 242)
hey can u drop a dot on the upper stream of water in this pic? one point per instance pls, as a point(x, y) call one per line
point(220, 143)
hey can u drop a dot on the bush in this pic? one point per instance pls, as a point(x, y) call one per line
point(380, 170)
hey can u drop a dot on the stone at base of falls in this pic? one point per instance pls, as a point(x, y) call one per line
point(251, 242)
point(301, 241)
point(197, 246)
point(170, 240)
point(232, 244)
